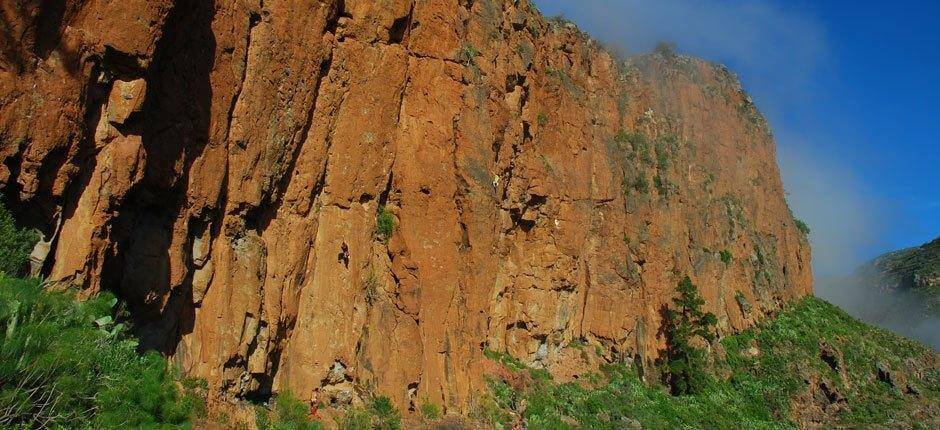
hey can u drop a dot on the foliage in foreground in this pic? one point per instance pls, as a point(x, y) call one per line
point(65, 363)
point(756, 390)
point(380, 414)
point(289, 414)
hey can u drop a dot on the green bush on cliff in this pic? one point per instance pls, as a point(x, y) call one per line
point(15, 244)
point(385, 223)
point(725, 256)
point(802, 226)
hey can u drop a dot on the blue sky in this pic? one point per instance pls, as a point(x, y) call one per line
point(851, 89)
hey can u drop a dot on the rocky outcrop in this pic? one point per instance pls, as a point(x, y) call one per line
point(221, 165)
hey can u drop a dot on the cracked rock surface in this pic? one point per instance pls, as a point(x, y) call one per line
point(221, 165)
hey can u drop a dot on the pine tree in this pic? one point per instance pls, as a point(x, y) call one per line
point(685, 372)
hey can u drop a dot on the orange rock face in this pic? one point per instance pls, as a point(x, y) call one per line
point(221, 165)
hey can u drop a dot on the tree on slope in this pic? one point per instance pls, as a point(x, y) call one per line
point(684, 322)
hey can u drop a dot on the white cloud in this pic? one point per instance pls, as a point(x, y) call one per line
point(828, 195)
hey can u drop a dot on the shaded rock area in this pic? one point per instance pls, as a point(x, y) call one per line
point(221, 166)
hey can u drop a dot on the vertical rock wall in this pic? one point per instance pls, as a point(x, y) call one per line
point(221, 164)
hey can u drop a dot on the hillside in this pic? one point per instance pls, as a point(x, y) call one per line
point(916, 268)
point(362, 197)
point(812, 366)
point(899, 290)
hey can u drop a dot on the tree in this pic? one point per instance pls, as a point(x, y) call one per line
point(686, 321)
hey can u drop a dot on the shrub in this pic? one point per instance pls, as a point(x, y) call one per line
point(801, 226)
point(755, 391)
point(541, 119)
point(65, 363)
point(385, 223)
point(665, 49)
point(641, 185)
point(725, 256)
point(15, 244)
point(290, 413)
point(685, 364)
point(430, 411)
point(467, 53)
point(380, 414)
point(663, 185)
point(558, 21)
point(639, 144)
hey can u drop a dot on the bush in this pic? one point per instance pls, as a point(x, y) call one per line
point(289, 414)
point(663, 185)
point(15, 244)
point(685, 364)
point(385, 223)
point(65, 363)
point(665, 49)
point(379, 415)
point(467, 53)
point(801, 226)
point(541, 119)
point(725, 256)
point(430, 411)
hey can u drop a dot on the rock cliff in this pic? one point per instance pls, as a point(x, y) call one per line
point(221, 165)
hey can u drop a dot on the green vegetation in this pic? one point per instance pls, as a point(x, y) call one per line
point(70, 364)
point(923, 261)
point(801, 226)
point(467, 53)
point(15, 245)
point(684, 323)
point(67, 363)
point(639, 144)
point(378, 415)
point(666, 147)
point(289, 414)
point(385, 223)
point(725, 256)
point(761, 382)
point(663, 185)
point(541, 119)
point(907, 286)
point(562, 76)
point(429, 410)
point(640, 184)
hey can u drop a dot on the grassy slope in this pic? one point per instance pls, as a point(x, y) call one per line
point(755, 391)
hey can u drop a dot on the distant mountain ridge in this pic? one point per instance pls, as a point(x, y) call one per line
point(916, 267)
point(913, 272)
point(899, 290)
